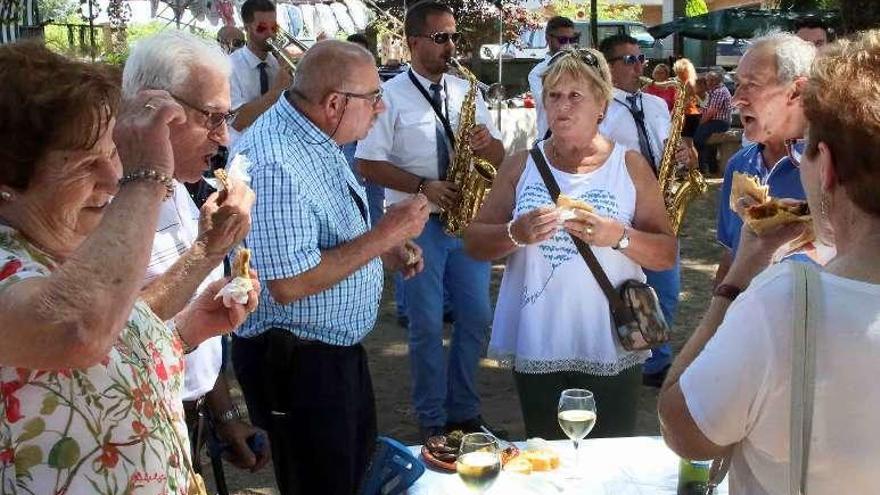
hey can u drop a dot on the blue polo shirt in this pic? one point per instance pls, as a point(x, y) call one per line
point(784, 180)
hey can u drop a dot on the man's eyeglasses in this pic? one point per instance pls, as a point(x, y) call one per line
point(373, 97)
point(442, 38)
point(629, 59)
point(795, 149)
point(567, 40)
point(213, 120)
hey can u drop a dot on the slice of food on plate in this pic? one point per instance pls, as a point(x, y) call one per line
point(519, 465)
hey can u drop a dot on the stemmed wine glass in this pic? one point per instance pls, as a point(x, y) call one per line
point(479, 461)
point(577, 416)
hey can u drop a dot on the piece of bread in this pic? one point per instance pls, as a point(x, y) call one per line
point(773, 213)
point(519, 465)
point(542, 460)
point(241, 263)
point(222, 179)
point(746, 186)
point(569, 203)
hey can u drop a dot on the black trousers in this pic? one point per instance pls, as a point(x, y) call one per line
point(322, 412)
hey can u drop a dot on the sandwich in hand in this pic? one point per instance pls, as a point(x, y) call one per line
point(569, 205)
point(758, 210)
point(236, 291)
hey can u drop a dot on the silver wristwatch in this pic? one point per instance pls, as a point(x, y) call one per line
point(227, 416)
point(623, 243)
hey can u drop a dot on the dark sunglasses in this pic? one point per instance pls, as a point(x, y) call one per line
point(373, 97)
point(567, 40)
point(237, 43)
point(213, 120)
point(442, 38)
point(629, 59)
point(582, 54)
point(796, 149)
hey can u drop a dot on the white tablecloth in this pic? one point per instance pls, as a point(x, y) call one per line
point(608, 466)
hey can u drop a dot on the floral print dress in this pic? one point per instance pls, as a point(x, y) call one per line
point(114, 428)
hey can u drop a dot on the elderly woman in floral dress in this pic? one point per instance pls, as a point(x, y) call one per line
point(90, 378)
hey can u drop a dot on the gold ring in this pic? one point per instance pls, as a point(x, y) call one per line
point(589, 230)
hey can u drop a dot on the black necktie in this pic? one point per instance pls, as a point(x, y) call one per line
point(264, 78)
point(442, 148)
point(639, 116)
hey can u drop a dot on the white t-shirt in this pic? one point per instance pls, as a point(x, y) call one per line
point(244, 81)
point(738, 388)
point(176, 231)
point(405, 134)
point(620, 127)
point(537, 89)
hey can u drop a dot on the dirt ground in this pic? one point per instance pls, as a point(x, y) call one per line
point(387, 348)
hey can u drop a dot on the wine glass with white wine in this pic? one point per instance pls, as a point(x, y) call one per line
point(577, 416)
point(479, 461)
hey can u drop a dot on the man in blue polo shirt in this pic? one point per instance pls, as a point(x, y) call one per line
point(770, 77)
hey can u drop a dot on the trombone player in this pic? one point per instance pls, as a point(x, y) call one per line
point(257, 78)
point(408, 151)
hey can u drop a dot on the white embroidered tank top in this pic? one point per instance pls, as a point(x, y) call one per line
point(551, 314)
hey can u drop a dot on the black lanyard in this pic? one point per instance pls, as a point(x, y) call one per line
point(444, 119)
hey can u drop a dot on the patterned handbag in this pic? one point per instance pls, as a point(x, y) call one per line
point(635, 308)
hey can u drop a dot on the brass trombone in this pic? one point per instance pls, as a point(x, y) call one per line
point(278, 44)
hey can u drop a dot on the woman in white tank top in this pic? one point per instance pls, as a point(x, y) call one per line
point(552, 321)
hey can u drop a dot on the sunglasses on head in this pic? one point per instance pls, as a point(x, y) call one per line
point(795, 149)
point(567, 40)
point(237, 43)
point(442, 38)
point(629, 59)
point(581, 54)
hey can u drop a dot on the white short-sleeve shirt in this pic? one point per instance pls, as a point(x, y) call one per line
point(405, 134)
point(738, 388)
point(176, 231)
point(620, 127)
point(244, 81)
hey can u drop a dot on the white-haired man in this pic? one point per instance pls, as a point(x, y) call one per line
point(768, 94)
point(189, 245)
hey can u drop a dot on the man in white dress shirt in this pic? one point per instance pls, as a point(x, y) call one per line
point(188, 249)
point(560, 34)
point(408, 151)
point(641, 122)
point(257, 79)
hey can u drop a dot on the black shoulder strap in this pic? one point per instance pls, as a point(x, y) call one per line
point(621, 312)
point(447, 127)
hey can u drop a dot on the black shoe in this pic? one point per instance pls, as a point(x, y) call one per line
point(403, 321)
point(427, 432)
point(476, 425)
point(655, 379)
point(448, 317)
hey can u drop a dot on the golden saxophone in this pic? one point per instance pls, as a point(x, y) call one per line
point(679, 184)
point(473, 175)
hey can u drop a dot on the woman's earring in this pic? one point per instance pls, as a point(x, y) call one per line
point(601, 117)
point(823, 206)
point(5, 195)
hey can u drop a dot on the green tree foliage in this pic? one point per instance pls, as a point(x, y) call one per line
point(606, 10)
point(695, 7)
point(859, 15)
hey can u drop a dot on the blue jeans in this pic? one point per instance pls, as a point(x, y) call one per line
point(375, 201)
point(446, 392)
point(668, 286)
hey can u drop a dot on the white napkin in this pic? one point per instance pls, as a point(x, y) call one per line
point(236, 291)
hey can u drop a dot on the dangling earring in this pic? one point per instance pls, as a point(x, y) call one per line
point(5, 195)
point(823, 206)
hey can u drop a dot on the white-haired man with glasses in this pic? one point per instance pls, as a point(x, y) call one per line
point(320, 259)
point(189, 244)
point(409, 151)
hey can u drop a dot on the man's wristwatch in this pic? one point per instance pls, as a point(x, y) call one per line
point(623, 243)
point(727, 291)
point(227, 416)
point(422, 184)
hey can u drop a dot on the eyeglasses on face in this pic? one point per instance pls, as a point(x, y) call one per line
point(213, 120)
point(796, 149)
point(237, 43)
point(373, 97)
point(441, 38)
point(567, 40)
point(629, 59)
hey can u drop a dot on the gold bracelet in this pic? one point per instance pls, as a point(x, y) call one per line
point(150, 174)
point(187, 349)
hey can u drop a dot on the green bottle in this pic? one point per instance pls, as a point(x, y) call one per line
point(693, 477)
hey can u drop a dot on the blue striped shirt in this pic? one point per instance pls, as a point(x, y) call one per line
point(304, 206)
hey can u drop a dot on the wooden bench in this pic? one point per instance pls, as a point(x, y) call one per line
point(725, 144)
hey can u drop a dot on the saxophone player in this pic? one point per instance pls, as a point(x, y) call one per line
point(408, 151)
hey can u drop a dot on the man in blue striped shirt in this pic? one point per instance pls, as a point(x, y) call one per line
point(299, 355)
point(716, 118)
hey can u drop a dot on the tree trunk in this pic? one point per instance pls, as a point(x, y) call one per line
point(678, 40)
point(859, 15)
point(594, 23)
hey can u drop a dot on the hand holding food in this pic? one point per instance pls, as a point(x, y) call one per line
point(238, 288)
point(761, 212)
